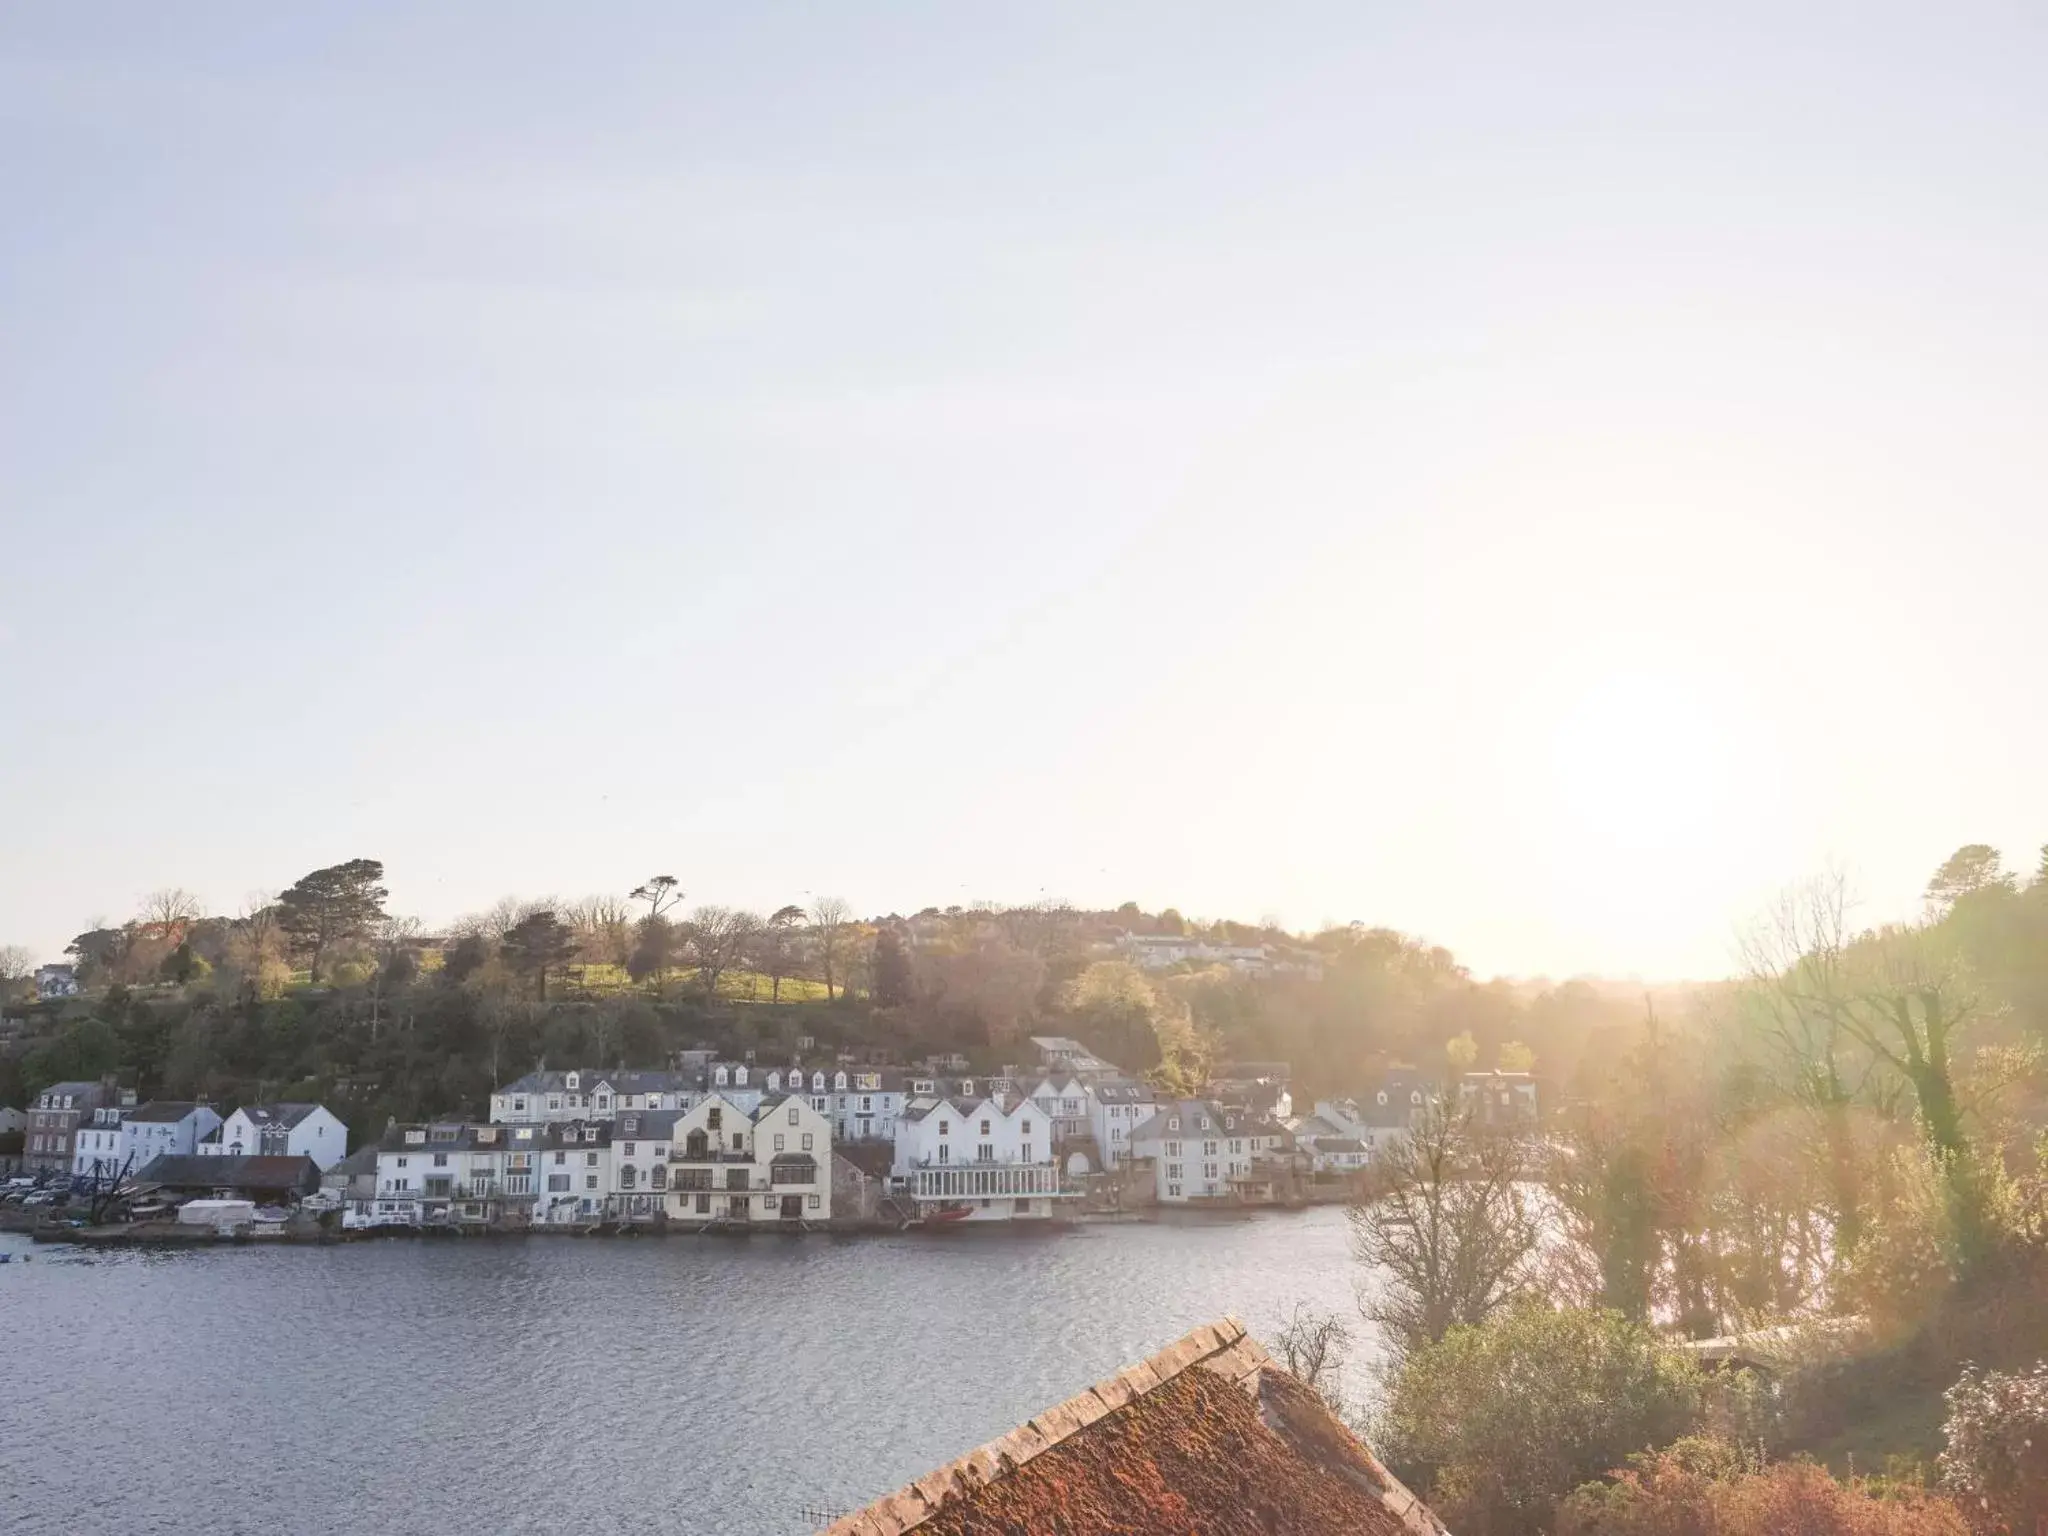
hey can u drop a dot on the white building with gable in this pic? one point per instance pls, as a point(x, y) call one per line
point(976, 1158)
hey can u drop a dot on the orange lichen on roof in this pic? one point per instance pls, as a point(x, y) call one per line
point(1191, 1458)
point(1208, 1435)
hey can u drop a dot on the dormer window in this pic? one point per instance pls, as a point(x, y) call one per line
point(739, 1077)
point(1383, 1095)
point(1173, 1122)
point(590, 1133)
point(967, 1085)
point(720, 1077)
point(817, 1082)
point(604, 1101)
point(573, 1081)
point(839, 1082)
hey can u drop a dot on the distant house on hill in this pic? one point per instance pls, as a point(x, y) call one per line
point(53, 981)
point(1209, 1435)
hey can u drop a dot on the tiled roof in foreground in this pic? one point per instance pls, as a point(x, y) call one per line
point(1208, 1436)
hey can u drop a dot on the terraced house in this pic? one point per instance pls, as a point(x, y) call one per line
point(769, 1165)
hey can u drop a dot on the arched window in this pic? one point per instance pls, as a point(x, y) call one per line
point(696, 1145)
point(659, 1178)
point(626, 1176)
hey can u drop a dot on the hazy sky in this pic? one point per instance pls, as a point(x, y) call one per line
point(1537, 477)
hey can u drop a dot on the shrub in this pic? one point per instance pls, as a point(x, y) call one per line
point(1996, 1463)
point(1500, 1421)
point(1696, 1489)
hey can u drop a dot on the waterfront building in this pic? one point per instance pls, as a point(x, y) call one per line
point(1116, 1107)
point(265, 1180)
point(55, 1116)
point(454, 1172)
point(1211, 1423)
point(1200, 1150)
point(165, 1127)
point(976, 1157)
point(279, 1130)
point(96, 1146)
point(638, 1187)
point(767, 1165)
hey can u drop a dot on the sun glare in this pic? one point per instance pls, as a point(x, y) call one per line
point(1639, 772)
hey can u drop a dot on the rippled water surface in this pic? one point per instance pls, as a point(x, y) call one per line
point(553, 1384)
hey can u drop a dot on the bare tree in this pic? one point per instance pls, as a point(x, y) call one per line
point(830, 917)
point(604, 926)
point(1314, 1346)
point(166, 914)
point(1449, 1228)
point(718, 939)
point(1801, 998)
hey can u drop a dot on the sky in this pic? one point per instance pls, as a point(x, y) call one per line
point(1541, 478)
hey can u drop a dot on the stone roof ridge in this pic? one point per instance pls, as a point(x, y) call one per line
point(1223, 1346)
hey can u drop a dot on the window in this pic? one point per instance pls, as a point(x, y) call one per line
point(590, 1181)
point(1209, 1171)
point(560, 1158)
point(867, 1104)
point(554, 1101)
point(1173, 1122)
point(1173, 1191)
point(945, 1153)
point(1027, 1127)
point(943, 1128)
point(985, 1153)
point(984, 1127)
point(590, 1159)
point(792, 1114)
point(703, 1205)
point(739, 1142)
point(658, 1178)
point(1173, 1149)
point(661, 1151)
point(715, 1118)
point(1027, 1151)
point(778, 1141)
point(519, 1105)
point(440, 1159)
point(1208, 1147)
point(810, 1202)
point(807, 1141)
point(627, 1149)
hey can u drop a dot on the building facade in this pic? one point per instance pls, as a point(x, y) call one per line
point(769, 1165)
point(1201, 1151)
point(55, 1116)
point(974, 1158)
point(166, 1128)
point(280, 1130)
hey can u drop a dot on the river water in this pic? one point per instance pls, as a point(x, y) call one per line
point(680, 1385)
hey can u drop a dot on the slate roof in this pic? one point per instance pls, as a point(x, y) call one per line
point(1208, 1436)
point(286, 1115)
point(266, 1174)
point(163, 1112)
point(646, 1124)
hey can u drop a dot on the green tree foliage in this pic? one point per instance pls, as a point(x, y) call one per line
point(536, 945)
point(894, 984)
point(1499, 1423)
point(331, 907)
point(1968, 871)
point(1996, 1460)
point(1516, 1057)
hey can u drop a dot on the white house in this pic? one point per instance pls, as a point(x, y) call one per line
point(1116, 1107)
point(771, 1165)
point(1197, 1148)
point(12, 1120)
point(972, 1158)
point(96, 1149)
point(165, 1127)
point(56, 981)
point(638, 1186)
point(453, 1172)
point(585, 1093)
point(280, 1130)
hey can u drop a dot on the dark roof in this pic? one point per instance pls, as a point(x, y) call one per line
point(645, 1124)
point(1340, 1144)
point(873, 1158)
point(254, 1173)
point(168, 1111)
point(286, 1115)
point(361, 1161)
point(1208, 1436)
